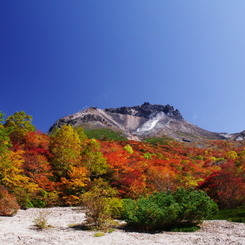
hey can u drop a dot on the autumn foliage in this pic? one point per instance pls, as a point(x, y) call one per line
point(59, 169)
point(8, 203)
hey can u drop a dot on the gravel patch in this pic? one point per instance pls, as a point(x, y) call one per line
point(20, 229)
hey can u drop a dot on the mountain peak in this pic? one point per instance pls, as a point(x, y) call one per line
point(138, 122)
point(147, 110)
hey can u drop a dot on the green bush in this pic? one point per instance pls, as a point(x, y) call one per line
point(23, 198)
point(166, 211)
point(29, 200)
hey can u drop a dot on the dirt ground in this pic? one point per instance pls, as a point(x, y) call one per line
point(20, 229)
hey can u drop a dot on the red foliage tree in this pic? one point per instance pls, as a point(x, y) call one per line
point(226, 186)
point(36, 165)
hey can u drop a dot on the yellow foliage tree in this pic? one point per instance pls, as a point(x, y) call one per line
point(65, 147)
point(66, 160)
point(13, 178)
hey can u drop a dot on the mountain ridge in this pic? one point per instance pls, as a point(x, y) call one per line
point(143, 121)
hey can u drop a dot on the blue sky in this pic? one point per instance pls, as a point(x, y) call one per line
point(58, 57)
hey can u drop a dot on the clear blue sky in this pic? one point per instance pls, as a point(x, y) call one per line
point(58, 57)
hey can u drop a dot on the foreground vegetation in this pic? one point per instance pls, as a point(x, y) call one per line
point(68, 168)
point(168, 211)
point(233, 215)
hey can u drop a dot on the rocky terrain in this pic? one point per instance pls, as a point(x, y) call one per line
point(144, 121)
point(20, 230)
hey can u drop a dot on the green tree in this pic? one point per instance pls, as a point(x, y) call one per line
point(4, 146)
point(20, 124)
point(4, 137)
point(82, 136)
point(93, 159)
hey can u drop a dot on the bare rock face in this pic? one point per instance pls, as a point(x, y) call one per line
point(139, 122)
point(237, 136)
point(147, 111)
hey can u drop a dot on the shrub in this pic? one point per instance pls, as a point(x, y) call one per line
point(23, 198)
point(8, 203)
point(41, 222)
point(38, 203)
point(166, 211)
point(101, 206)
point(128, 148)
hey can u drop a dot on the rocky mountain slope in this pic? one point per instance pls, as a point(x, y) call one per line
point(143, 121)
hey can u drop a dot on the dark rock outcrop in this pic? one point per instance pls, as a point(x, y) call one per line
point(147, 110)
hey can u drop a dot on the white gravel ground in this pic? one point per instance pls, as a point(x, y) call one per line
point(20, 229)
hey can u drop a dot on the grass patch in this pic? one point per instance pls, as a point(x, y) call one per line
point(187, 135)
point(110, 230)
point(84, 227)
point(104, 133)
point(99, 234)
point(161, 141)
point(81, 226)
point(186, 229)
point(233, 215)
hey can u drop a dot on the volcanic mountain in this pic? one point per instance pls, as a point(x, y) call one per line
point(140, 122)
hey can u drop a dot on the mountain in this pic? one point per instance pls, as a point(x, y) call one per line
point(143, 121)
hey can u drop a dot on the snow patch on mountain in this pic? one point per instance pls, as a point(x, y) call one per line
point(226, 135)
point(151, 123)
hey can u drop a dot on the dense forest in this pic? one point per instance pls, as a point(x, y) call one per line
point(68, 168)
